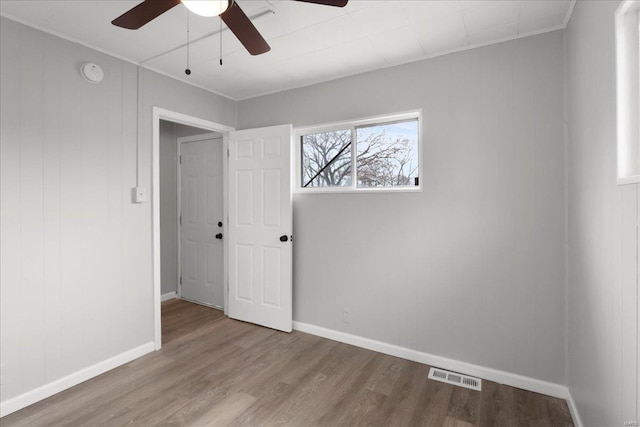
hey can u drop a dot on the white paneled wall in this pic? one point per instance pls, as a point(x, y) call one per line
point(472, 268)
point(603, 240)
point(76, 254)
point(74, 289)
point(71, 285)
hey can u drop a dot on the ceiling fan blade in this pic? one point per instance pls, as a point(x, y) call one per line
point(241, 26)
point(336, 3)
point(143, 13)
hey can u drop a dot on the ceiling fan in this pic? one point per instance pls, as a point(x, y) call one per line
point(228, 10)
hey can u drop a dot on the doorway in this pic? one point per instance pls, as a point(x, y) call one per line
point(201, 220)
point(257, 200)
point(163, 196)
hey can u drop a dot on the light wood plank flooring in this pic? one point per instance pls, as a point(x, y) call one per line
point(213, 371)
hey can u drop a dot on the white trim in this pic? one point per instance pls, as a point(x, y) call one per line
point(396, 64)
point(110, 53)
point(168, 296)
point(66, 37)
point(567, 17)
point(22, 401)
point(346, 124)
point(501, 377)
point(352, 125)
point(627, 92)
point(311, 83)
point(175, 117)
point(573, 410)
point(629, 180)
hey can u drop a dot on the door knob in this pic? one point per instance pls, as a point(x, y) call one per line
point(284, 238)
point(219, 236)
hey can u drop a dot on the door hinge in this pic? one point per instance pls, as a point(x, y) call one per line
point(180, 158)
point(180, 219)
point(180, 280)
point(227, 153)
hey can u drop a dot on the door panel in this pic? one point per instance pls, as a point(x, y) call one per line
point(272, 276)
point(259, 213)
point(201, 203)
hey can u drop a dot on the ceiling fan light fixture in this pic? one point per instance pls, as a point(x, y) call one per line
point(207, 7)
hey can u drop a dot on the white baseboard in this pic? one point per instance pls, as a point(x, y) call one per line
point(577, 421)
point(168, 296)
point(16, 403)
point(501, 377)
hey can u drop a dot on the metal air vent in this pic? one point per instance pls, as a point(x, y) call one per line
point(455, 379)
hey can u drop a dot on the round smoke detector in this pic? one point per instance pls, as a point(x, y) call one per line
point(92, 72)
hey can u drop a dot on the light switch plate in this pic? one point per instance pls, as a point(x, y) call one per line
point(139, 195)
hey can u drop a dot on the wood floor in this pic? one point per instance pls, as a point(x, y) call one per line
point(213, 371)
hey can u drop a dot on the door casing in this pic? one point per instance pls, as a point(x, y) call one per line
point(176, 117)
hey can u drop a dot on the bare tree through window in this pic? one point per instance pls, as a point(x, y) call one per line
point(386, 156)
point(326, 159)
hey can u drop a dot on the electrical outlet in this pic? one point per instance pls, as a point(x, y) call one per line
point(346, 315)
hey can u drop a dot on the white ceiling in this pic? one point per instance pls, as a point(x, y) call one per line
point(309, 43)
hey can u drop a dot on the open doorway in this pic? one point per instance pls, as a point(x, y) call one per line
point(202, 254)
point(191, 218)
point(258, 202)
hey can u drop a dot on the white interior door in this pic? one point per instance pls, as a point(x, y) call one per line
point(260, 227)
point(201, 224)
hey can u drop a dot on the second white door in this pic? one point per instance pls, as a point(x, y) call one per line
point(261, 227)
point(201, 223)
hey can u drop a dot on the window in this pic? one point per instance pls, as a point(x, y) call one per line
point(377, 154)
point(628, 91)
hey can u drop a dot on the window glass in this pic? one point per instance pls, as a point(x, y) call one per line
point(365, 155)
point(326, 159)
point(387, 154)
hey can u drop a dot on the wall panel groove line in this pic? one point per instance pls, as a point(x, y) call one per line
point(75, 252)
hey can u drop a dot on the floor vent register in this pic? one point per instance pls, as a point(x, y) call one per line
point(455, 379)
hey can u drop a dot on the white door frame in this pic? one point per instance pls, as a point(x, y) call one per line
point(175, 117)
point(194, 138)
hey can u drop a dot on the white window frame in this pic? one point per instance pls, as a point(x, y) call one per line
point(627, 33)
point(352, 125)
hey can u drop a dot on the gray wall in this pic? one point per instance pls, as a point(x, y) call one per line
point(169, 134)
point(603, 285)
point(472, 268)
point(76, 254)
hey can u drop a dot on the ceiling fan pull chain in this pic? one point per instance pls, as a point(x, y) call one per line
point(220, 41)
point(187, 71)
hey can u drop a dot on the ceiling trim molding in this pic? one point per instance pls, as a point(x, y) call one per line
point(422, 58)
point(109, 53)
point(567, 17)
point(314, 82)
point(66, 37)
